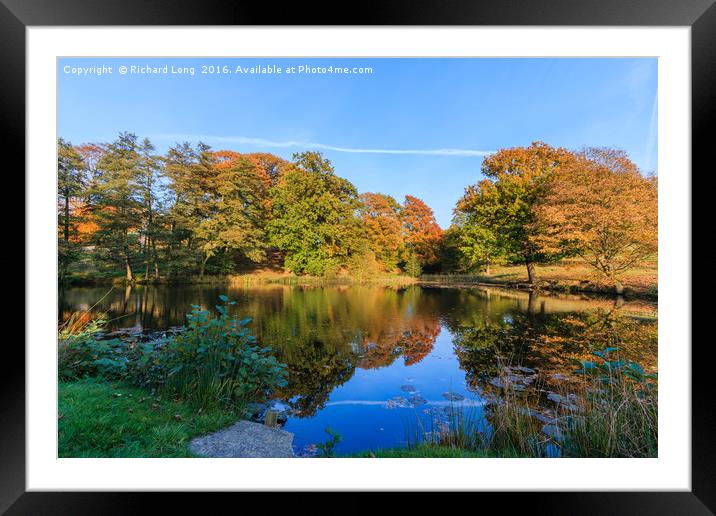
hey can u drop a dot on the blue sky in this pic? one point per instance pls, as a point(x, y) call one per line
point(412, 126)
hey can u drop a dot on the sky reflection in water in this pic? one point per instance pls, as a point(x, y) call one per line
point(377, 363)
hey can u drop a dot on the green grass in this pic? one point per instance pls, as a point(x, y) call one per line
point(426, 451)
point(109, 419)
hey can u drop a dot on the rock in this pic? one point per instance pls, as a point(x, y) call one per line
point(407, 388)
point(245, 439)
point(451, 396)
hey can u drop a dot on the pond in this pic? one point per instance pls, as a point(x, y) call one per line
point(380, 365)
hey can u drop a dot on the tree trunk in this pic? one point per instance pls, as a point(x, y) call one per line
point(130, 276)
point(203, 265)
point(170, 251)
point(531, 276)
point(618, 287)
point(147, 242)
point(532, 303)
point(156, 259)
point(67, 219)
point(147, 258)
point(487, 265)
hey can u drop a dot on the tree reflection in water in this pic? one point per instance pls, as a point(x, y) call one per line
point(325, 333)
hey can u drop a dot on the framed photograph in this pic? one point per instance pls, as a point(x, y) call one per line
point(446, 247)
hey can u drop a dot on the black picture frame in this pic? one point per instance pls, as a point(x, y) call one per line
point(700, 15)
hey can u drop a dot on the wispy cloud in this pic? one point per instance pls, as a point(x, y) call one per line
point(261, 142)
point(651, 147)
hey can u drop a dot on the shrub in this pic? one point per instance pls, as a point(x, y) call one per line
point(216, 360)
point(82, 355)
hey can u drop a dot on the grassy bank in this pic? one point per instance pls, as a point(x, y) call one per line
point(254, 278)
point(566, 276)
point(113, 419)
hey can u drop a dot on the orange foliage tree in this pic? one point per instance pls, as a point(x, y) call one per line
point(421, 231)
point(602, 209)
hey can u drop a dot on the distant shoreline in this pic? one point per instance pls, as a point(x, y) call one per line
point(557, 286)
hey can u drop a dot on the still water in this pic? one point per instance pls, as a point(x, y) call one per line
point(382, 364)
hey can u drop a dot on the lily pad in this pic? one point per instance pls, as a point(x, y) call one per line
point(417, 400)
point(397, 402)
point(552, 431)
point(523, 369)
point(452, 396)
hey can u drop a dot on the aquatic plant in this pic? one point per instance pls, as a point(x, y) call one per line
point(612, 412)
point(327, 448)
point(619, 416)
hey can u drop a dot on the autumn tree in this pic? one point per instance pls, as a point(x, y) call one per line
point(382, 220)
point(421, 232)
point(602, 209)
point(86, 219)
point(504, 204)
point(70, 185)
point(315, 216)
point(269, 165)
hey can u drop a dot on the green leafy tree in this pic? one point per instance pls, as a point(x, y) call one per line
point(193, 201)
point(149, 187)
point(504, 204)
point(118, 202)
point(476, 230)
point(70, 185)
point(239, 215)
point(315, 216)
